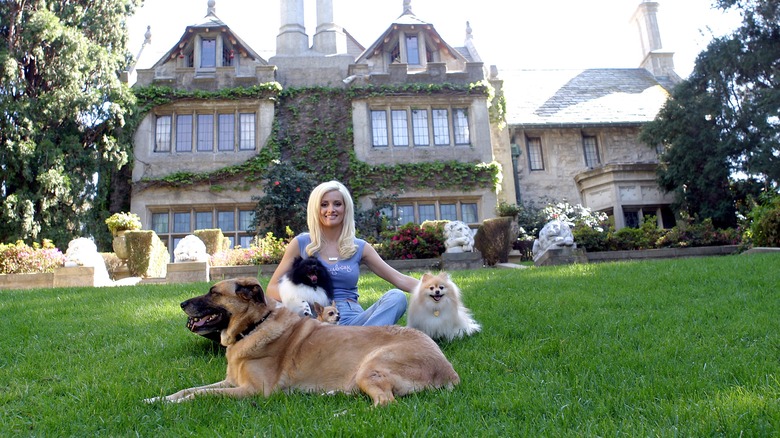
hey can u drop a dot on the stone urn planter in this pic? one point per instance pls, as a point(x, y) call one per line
point(118, 224)
point(119, 244)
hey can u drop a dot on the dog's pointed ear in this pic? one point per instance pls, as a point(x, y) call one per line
point(249, 289)
point(318, 308)
point(427, 276)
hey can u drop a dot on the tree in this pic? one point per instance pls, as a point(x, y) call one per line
point(283, 204)
point(62, 106)
point(722, 123)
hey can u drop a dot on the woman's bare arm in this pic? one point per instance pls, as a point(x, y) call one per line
point(379, 267)
point(292, 250)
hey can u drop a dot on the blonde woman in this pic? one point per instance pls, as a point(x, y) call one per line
point(331, 238)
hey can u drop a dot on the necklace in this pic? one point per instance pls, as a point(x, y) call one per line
point(330, 259)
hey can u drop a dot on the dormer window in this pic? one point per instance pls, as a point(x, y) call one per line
point(208, 53)
point(412, 50)
point(407, 50)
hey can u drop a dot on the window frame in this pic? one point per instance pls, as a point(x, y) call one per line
point(226, 135)
point(203, 52)
point(165, 217)
point(379, 133)
point(535, 153)
point(163, 133)
point(424, 125)
point(181, 137)
point(591, 151)
point(205, 133)
point(247, 131)
point(459, 205)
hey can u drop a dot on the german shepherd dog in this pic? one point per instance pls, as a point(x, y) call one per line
point(270, 349)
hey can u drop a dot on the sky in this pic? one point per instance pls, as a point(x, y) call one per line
point(511, 34)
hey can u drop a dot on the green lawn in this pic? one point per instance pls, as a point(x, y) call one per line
point(683, 347)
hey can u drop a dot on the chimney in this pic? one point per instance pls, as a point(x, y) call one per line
point(292, 38)
point(654, 59)
point(329, 38)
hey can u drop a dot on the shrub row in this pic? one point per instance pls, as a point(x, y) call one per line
point(648, 236)
point(20, 258)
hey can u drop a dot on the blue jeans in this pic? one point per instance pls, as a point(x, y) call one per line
point(386, 311)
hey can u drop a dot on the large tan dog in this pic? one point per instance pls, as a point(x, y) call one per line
point(270, 348)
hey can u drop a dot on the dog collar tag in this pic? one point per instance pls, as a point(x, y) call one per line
point(436, 313)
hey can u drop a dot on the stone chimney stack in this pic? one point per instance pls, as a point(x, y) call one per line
point(292, 38)
point(329, 38)
point(654, 59)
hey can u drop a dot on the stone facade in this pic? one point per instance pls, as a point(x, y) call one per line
point(558, 110)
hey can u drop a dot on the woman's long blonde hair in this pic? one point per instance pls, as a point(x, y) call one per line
point(346, 243)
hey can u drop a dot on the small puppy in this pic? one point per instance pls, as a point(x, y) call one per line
point(308, 282)
point(435, 309)
point(328, 314)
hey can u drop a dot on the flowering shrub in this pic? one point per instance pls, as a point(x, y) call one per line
point(412, 241)
point(574, 215)
point(19, 258)
point(283, 204)
point(263, 251)
point(123, 221)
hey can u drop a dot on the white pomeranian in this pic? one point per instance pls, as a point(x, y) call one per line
point(435, 309)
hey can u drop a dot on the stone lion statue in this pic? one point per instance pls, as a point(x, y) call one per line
point(458, 237)
point(83, 252)
point(190, 249)
point(555, 233)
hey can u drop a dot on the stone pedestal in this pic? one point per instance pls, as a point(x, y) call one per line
point(77, 276)
point(187, 272)
point(561, 256)
point(454, 261)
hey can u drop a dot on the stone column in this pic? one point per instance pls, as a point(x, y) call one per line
point(292, 38)
point(329, 38)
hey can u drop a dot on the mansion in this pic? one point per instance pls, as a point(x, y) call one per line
point(564, 134)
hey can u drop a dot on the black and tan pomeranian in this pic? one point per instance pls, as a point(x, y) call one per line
point(308, 282)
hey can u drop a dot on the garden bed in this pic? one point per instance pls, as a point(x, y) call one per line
point(662, 253)
point(61, 277)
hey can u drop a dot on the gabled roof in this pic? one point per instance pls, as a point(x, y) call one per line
point(211, 23)
point(406, 20)
point(547, 98)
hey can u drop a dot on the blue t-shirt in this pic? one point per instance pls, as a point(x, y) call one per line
point(344, 273)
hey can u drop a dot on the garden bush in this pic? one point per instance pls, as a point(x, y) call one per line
point(688, 233)
point(20, 258)
point(591, 239)
point(412, 241)
point(148, 255)
point(263, 251)
point(283, 204)
point(214, 240)
point(494, 240)
point(764, 227)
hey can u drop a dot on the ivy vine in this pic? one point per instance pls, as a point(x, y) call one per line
point(313, 131)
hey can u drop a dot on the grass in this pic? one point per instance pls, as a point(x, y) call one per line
point(682, 347)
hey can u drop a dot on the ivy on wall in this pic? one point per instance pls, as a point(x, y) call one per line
point(313, 131)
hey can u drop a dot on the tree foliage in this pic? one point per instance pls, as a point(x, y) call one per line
point(62, 106)
point(723, 121)
point(283, 204)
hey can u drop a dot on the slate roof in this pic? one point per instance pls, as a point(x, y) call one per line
point(550, 98)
